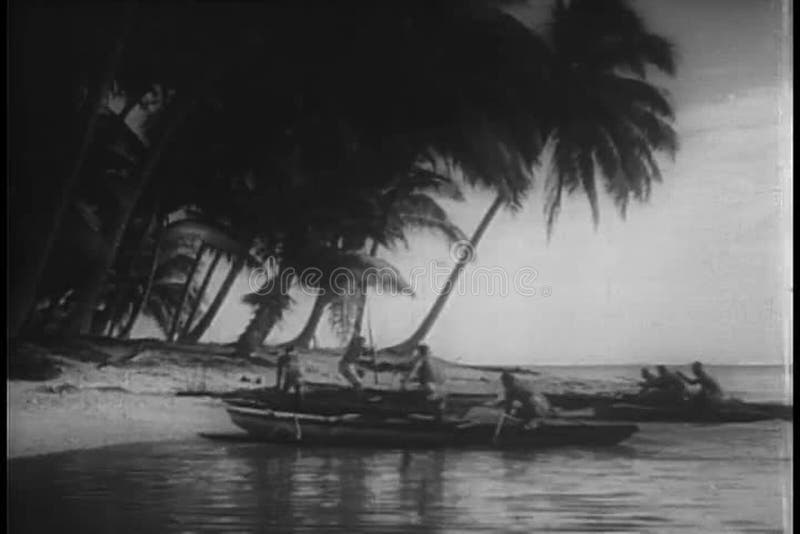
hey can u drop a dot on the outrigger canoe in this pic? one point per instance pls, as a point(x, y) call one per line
point(360, 430)
point(727, 412)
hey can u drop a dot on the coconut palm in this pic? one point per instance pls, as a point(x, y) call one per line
point(210, 44)
point(85, 38)
point(606, 122)
point(193, 238)
point(400, 208)
point(382, 217)
point(342, 272)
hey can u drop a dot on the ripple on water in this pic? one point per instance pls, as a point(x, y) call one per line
point(677, 479)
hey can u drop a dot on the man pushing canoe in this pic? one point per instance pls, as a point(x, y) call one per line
point(430, 376)
point(530, 404)
point(347, 362)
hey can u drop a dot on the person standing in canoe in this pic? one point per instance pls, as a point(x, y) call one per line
point(290, 375)
point(710, 390)
point(429, 375)
point(347, 363)
point(531, 405)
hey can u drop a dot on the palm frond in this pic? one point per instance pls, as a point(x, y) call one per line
point(608, 124)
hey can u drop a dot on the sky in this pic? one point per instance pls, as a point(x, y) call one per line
point(700, 272)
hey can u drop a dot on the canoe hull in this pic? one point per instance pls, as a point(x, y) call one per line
point(284, 427)
point(642, 413)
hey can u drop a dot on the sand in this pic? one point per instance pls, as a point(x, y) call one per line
point(44, 423)
point(88, 407)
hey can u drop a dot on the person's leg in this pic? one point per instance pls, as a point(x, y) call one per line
point(298, 395)
point(354, 378)
point(433, 397)
point(344, 370)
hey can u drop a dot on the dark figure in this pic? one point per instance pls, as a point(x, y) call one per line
point(347, 363)
point(290, 376)
point(530, 404)
point(671, 382)
point(665, 388)
point(649, 381)
point(430, 378)
point(710, 390)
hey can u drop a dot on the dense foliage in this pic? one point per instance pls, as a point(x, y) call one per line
point(154, 144)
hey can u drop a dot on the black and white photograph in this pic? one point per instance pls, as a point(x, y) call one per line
point(388, 266)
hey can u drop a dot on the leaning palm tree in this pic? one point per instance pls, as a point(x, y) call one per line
point(400, 208)
point(343, 274)
point(383, 217)
point(607, 121)
point(179, 246)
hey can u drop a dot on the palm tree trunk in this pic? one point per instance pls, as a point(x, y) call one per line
point(427, 323)
point(124, 292)
point(266, 316)
point(203, 286)
point(88, 298)
point(362, 298)
point(142, 302)
point(26, 290)
point(187, 286)
point(211, 313)
point(304, 338)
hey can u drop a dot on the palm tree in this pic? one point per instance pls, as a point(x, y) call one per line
point(402, 207)
point(26, 289)
point(607, 120)
point(181, 238)
point(217, 255)
point(193, 69)
point(341, 273)
point(211, 312)
point(339, 230)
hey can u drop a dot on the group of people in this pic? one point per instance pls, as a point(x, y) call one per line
point(518, 400)
point(424, 373)
point(671, 386)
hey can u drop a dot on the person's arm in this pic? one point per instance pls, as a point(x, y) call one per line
point(279, 373)
point(499, 401)
point(414, 366)
point(506, 401)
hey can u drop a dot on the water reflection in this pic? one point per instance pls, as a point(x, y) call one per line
point(675, 478)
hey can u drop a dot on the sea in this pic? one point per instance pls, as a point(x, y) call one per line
point(684, 478)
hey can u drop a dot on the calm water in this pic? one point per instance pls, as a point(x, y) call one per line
point(668, 478)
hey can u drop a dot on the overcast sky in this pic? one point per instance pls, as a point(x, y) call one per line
point(699, 272)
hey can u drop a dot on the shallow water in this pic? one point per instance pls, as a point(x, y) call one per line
point(668, 478)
